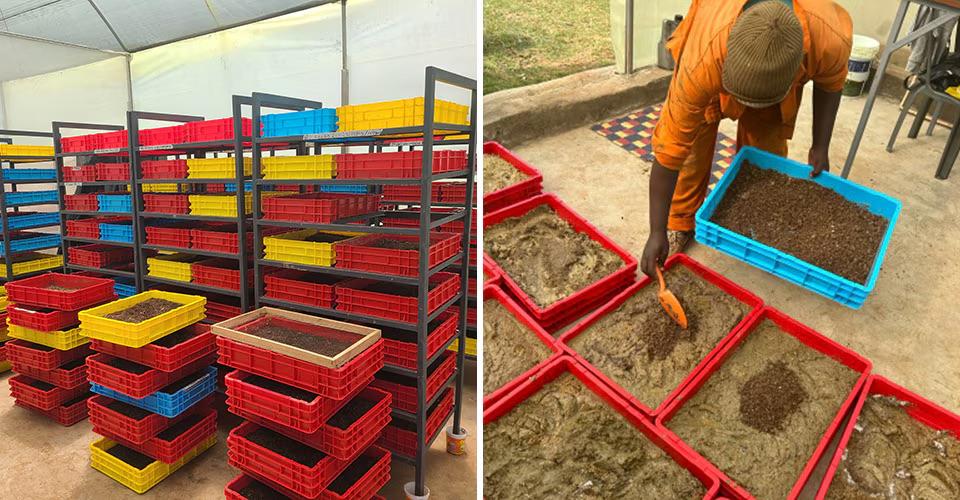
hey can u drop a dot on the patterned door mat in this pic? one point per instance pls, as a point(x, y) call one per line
point(634, 133)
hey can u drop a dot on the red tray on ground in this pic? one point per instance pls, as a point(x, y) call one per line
point(403, 388)
point(141, 383)
point(729, 287)
point(521, 315)
point(166, 203)
point(113, 171)
point(302, 287)
point(42, 357)
point(83, 173)
point(491, 275)
point(330, 383)
point(105, 414)
point(309, 481)
point(343, 444)
point(67, 414)
point(305, 412)
point(396, 165)
point(811, 339)
point(169, 353)
point(99, 255)
point(67, 376)
point(409, 193)
point(86, 202)
point(363, 254)
point(515, 193)
point(221, 273)
point(919, 408)
point(43, 398)
point(169, 448)
point(216, 130)
point(565, 310)
point(164, 169)
point(80, 291)
point(173, 235)
point(400, 346)
point(561, 364)
point(39, 318)
point(401, 435)
point(393, 300)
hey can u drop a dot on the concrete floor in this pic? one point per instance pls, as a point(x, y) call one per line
point(41, 460)
point(909, 325)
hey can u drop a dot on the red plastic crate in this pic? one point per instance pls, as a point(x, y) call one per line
point(81, 202)
point(105, 416)
point(99, 255)
point(396, 165)
point(527, 188)
point(409, 193)
point(400, 346)
point(331, 383)
point(83, 291)
point(561, 364)
point(216, 130)
point(163, 169)
point(395, 220)
point(562, 311)
point(220, 310)
point(456, 192)
point(321, 208)
point(44, 320)
point(113, 171)
point(302, 287)
point(163, 135)
point(394, 301)
point(172, 235)
point(83, 173)
point(80, 143)
point(222, 273)
point(84, 228)
point(708, 275)
point(343, 444)
point(401, 435)
point(811, 339)
point(403, 388)
point(491, 276)
point(168, 354)
point(22, 388)
point(361, 253)
point(42, 357)
point(111, 140)
point(219, 238)
point(138, 385)
point(67, 376)
point(166, 203)
point(169, 451)
point(65, 414)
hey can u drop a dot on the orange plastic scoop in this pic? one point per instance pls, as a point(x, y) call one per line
point(670, 303)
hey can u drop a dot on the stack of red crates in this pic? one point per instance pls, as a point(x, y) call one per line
point(48, 354)
point(330, 418)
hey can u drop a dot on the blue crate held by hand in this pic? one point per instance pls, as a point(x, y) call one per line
point(32, 241)
point(31, 197)
point(30, 174)
point(786, 266)
point(344, 188)
point(32, 220)
point(312, 121)
point(122, 233)
point(164, 403)
point(115, 203)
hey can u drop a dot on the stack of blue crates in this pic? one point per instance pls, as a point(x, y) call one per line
point(344, 188)
point(30, 174)
point(117, 231)
point(31, 197)
point(313, 121)
point(23, 220)
point(115, 203)
point(28, 242)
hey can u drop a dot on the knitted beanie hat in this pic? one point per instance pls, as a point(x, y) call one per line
point(764, 51)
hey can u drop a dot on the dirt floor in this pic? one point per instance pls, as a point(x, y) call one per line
point(909, 324)
point(30, 439)
point(510, 348)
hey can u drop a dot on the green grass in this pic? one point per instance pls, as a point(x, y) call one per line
point(531, 41)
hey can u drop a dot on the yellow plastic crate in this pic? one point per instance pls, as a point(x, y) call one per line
point(159, 188)
point(63, 340)
point(139, 480)
point(401, 113)
point(216, 168)
point(219, 205)
point(3, 298)
point(299, 167)
point(25, 150)
point(470, 349)
point(38, 262)
point(293, 247)
point(175, 266)
point(93, 324)
point(5, 366)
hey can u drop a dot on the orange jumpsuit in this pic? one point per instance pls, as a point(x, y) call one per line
point(686, 134)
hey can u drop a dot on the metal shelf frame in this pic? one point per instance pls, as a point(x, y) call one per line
point(375, 140)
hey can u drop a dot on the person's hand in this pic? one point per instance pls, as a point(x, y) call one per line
point(654, 253)
point(819, 159)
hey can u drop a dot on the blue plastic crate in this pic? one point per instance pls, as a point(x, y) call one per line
point(313, 121)
point(30, 174)
point(32, 220)
point(116, 232)
point(344, 188)
point(787, 266)
point(166, 404)
point(124, 290)
point(38, 242)
point(116, 203)
point(231, 187)
point(31, 197)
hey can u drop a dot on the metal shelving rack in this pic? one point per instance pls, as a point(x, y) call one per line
point(11, 162)
point(376, 140)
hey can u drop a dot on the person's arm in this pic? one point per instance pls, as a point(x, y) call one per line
point(825, 107)
point(663, 181)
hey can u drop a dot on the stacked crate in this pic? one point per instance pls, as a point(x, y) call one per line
point(154, 382)
point(4, 338)
point(48, 352)
point(311, 420)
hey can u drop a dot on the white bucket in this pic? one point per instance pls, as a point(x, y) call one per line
point(864, 50)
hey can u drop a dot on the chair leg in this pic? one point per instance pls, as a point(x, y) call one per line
point(911, 97)
point(921, 115)
point(950, 152)
point(937, 111)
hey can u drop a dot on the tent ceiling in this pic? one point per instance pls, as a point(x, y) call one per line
point(138, 24)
